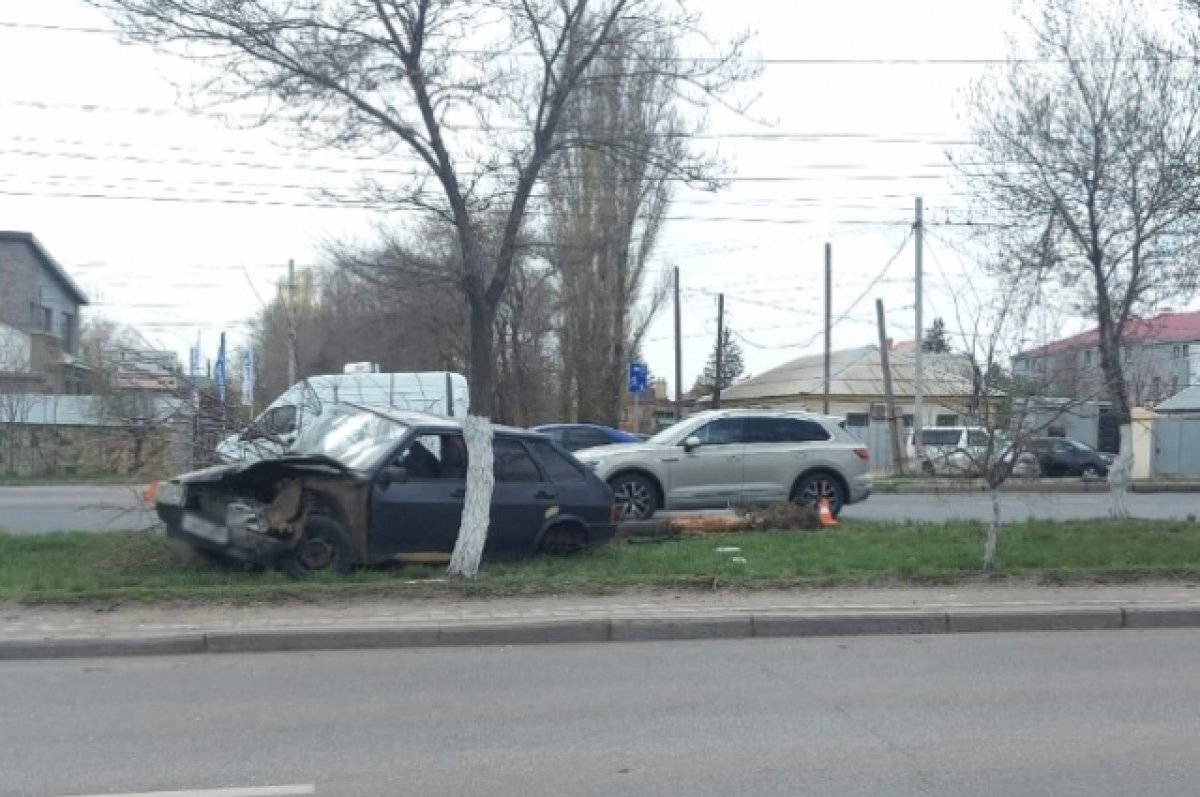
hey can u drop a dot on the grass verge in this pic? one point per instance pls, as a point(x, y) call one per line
point(76, 567)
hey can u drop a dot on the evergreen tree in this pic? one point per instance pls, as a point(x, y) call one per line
point(732, 366)
point(936, 340)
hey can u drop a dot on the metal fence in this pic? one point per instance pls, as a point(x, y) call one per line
point(1176, 446)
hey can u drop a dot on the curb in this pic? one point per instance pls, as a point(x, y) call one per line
point(1041, 488)
point(732, 625)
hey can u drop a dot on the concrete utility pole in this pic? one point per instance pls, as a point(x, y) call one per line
point(291, 321)
point(716, 399)
point(678, 353)
point(828, 321)
point(885, 362)
point(918, 379)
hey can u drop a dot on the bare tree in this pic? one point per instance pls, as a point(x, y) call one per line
point(475, 91)
point(1088, 148)
point(608, 201)
point(1005, 412)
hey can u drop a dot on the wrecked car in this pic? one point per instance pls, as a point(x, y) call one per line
point(367, 485)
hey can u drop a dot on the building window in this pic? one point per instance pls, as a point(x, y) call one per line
point(1087, 357)
point(41, 319)
point(1156, 388)
point(908, 420)
point(1175, 352)
point(858, 419)
point(1174, 385)
point(69, 336)
point(1185, 350)
point(946, 420)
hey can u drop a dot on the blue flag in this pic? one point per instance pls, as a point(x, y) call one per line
point(219, 370)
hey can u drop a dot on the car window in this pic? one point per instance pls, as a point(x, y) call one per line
point(783, 430)
point(586, 438)
point(722, 431)
point(279, 420)
point(940, 437)
point(435, 457)
point(559, 467)
point(555, 434)
point(977, 439)
point(513, 463)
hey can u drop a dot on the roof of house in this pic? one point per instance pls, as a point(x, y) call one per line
point(1164, 328)
point(858, 372)
point(1186, 400)
point(56, 268)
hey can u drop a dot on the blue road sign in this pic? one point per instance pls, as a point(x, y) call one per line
point(639, 378)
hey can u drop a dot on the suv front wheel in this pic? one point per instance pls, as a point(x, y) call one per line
point(815, 486)
point(635, 496)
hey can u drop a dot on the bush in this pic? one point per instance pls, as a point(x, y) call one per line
point(781, 517)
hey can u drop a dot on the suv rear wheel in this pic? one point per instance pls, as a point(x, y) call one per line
point(815, 486)
point(634, 495)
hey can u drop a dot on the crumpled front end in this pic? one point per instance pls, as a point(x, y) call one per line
point(236, 525)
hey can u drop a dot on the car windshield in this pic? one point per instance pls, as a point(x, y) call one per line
point(355, 437)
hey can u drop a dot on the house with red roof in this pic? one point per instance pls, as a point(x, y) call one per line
point(1161, 356)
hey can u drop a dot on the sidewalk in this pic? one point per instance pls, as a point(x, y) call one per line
point(44, 632)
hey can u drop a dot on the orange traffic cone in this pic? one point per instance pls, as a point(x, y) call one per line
point(824, 516)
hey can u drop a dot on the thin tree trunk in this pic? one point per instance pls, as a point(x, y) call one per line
point(993, 534)
point(1119, 474)
point(482, 378)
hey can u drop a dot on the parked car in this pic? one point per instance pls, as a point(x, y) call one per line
point(365, 485)
point(722, 458)
point(949, 450)
point(578, 436)
point(1060, 456)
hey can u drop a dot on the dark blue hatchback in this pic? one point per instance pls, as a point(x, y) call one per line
point(578, 436)
point(366, 485)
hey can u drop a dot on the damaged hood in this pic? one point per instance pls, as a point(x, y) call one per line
point(289, 465)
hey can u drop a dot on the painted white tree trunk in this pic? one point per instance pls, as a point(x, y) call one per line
point(1119, 475)
point(993, 534)
point(477, 504)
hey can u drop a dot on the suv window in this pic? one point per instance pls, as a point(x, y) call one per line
point(722, 431)
point(586, 438)
point(555, 434)
point(513, 463)
point(557, 465)
point(784, 430)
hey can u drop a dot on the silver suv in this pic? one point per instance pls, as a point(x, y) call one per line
point(729, 457)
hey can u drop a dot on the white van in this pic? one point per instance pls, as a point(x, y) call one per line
point(950, 450)
point(436, 392)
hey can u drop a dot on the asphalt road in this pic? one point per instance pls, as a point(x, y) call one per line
point(72, 507)
point(38, 510)
point(1107, 713)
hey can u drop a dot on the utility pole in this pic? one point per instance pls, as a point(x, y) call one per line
point(716, 398)
point(291, 320)
point(828, 320)
point(678, 353)
point(885, 361)
point(918, 378)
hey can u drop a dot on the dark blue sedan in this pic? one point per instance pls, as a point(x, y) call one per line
point(578, 436)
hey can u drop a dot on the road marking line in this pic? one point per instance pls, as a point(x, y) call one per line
point(293, 790)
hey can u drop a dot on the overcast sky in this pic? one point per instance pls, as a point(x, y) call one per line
point(83, 118)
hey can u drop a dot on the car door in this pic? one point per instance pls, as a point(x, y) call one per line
point(420, 513)
point(777, 450)
point(522, 499)
point(709, 475)
point(1061, 459)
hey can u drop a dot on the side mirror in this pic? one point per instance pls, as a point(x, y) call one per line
point(394, 473)
point(691, 444)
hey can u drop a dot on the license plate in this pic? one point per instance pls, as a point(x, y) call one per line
point(213, 532)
